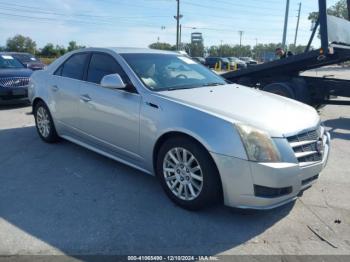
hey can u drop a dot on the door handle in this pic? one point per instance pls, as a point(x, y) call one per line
point(54, 88)
point(85, 98)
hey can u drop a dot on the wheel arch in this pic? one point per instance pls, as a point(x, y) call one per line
point(36, 101)
point(170, 134)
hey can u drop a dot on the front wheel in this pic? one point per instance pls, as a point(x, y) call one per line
point(187, 174)
point(44, 123)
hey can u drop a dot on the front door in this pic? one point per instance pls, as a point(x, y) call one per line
point(109, 116)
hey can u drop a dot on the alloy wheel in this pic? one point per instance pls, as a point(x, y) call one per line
point(43, 121)
point(182, 173)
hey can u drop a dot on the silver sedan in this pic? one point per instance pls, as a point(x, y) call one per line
point(161, 112)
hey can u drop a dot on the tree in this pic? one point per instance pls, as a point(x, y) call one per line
point(20, 43)
point(72, 45)
point(162, 46)
point(338, 10)
point(297, 49)
point(60, 50)
point(49, 50)
point(194, 49)
point(265, 52)
point(230, 50)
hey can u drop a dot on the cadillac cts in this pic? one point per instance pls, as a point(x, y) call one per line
point(205, 139)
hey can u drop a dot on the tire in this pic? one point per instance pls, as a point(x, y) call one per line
point(282, 89)
point(202, 185)
point(301, 90)
point(44, 123)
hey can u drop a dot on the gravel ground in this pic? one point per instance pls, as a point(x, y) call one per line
point(64, 199)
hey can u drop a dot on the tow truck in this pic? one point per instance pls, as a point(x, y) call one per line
point(284, 76)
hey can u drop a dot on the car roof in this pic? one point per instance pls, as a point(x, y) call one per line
point(129, 50)
point(14, 53)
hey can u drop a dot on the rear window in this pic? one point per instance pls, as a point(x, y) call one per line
point(74, 67)
point(26, 58)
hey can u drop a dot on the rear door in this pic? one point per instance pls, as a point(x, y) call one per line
point(109, 117)
point(64, 88)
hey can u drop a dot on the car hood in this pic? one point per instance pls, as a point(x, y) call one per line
point(279, 116)
point(18, 72)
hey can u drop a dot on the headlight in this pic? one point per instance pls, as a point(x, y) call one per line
point(258, 144)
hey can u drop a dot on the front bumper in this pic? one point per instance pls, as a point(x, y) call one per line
point(239, 176)
point(13, 94)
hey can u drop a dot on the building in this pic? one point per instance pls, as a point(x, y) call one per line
point(196, 38)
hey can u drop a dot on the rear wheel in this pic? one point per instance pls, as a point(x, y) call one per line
point(187, 174)
point(44, 123)
point(282, 89)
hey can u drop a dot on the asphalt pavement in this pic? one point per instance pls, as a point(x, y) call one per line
point(64, 199)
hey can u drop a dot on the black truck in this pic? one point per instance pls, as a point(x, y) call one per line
point(284, 77)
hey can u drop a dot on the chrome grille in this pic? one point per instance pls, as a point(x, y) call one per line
point(305, 145)
point(14, 81)
point(311, 135)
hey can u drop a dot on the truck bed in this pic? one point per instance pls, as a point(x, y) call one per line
point(292, 65)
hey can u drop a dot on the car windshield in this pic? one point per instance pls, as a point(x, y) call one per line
point(161, 72)
point(26, 58)
point(8, 61)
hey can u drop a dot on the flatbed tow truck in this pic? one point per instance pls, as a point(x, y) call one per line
point(284, 77)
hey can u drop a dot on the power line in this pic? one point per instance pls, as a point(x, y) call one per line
point(43, 11)
point(73, 21)
point(239, 6)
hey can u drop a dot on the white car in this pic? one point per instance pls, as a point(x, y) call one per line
point(169, 116)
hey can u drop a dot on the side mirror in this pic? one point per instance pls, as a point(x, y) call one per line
point(113, 81)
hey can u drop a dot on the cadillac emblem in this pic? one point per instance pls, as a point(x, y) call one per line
point(319, 146)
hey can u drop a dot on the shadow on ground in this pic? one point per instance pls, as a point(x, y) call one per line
point(83, 203)
point(337, 127)
point(13, 105)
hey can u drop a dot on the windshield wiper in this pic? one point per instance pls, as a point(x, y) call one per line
point(213, 84)
point(193, 86)
point(178, 88)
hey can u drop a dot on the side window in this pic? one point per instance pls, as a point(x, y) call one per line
point(59, 71)
point(101, 65)
point(74, 66)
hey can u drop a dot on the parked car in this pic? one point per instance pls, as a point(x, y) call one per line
point(212, 61)
point(200, 60)
point(166, 115)
point(248, 60)
point(28, 60)
point(240, 64)
point(14, 79)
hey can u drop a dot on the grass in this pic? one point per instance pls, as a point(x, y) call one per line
point(47, 60)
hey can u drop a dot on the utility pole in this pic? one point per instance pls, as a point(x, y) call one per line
point(180, 37)
point(348, 3)
point(285, 25)
point(256, 49)
point(178, 17)
point(296, 31)
point(240, 37)
point(221, 48)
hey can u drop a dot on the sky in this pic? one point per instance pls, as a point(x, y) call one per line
point(137, 23)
